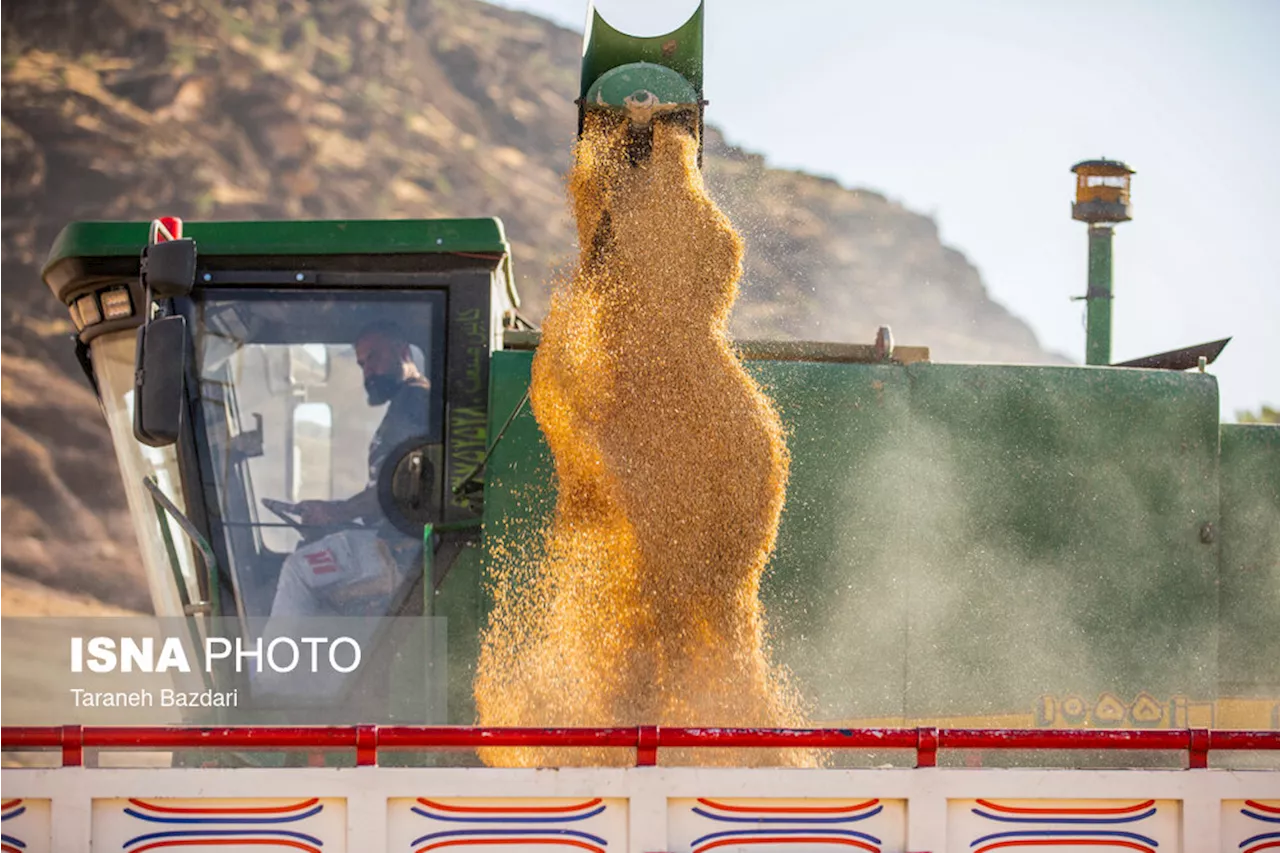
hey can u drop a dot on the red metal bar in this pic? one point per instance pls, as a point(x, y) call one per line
point(647, 746)
point(72, 738)
point(926, 747)
point(220, 737)
point(1232, 739)
point(428, 737)
point(367, 740)
point(366, 746)
point(1198, 749)
point(31, 737)
point(1143, 739)
point(789, 738)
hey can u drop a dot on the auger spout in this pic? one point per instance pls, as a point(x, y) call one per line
point(640, 80)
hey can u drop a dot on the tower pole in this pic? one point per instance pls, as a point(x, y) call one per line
point(1098, 330)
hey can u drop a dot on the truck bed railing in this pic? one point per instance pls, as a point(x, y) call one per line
point(367, 741)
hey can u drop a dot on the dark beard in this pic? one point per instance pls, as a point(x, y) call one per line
point(381, 387)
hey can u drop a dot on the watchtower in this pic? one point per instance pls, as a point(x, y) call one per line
point(1102, 198)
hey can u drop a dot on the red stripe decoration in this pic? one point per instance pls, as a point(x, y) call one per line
point(236, 810)
point(1051, 811)
point(444, 807)
point(789, 839)
point(8, 804)
point(1064, 842)
point(789, 809)
point(1266, 845)
point(9, 848)
point(219, 842)
point(1253, 804)
point(458, 842)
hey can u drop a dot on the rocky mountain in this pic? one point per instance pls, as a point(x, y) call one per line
point(246, 109)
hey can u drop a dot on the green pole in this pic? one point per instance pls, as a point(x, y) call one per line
point(1098, 336)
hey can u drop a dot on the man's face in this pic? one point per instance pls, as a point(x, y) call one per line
point(382, 361)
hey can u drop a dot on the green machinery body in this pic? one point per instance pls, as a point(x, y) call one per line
point(993, 544)
point(986, 544)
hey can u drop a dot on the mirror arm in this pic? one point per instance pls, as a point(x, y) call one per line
point(213, 606)
point(86, 364)
point(248, 444)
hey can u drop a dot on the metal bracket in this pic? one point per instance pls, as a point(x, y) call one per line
point(248, 444)
point(188, 527)
point(1094, 293)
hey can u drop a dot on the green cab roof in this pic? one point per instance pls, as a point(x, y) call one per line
point(328, 237)
point(82, 241)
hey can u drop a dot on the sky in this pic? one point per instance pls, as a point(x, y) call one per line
point(974, 113)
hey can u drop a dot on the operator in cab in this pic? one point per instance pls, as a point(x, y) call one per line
point(390, 376)
point(361, 570)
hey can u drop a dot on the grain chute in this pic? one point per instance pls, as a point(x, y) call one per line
point(643, 79)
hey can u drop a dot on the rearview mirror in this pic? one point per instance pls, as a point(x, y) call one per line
point(158, 381)
point(169, 268)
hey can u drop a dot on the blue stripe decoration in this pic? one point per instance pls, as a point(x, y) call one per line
point(13, 813)
point(252, 821)
point(555, 819)
point(9, 839)
point(1078, 820)
point(847, 833)
point(792, 820)
point(532, 833)
point(1261, 837)
point(1256, 816)
point(210, 833)
point(1058, 833)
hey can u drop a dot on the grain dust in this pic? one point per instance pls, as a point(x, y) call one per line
point(671, 468)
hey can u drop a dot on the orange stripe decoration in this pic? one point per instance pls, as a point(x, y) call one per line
point(459, 842)
point(222, 842)
point(790, 839)
point(789, 809)
point(1065, 842)
point(239, 810)
point(445, 807)
point(1095, 811)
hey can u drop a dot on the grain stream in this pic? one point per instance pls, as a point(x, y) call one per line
point(671, 466)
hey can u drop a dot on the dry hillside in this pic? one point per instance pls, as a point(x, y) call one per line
point(363, 108)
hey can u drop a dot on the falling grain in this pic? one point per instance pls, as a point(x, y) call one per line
point(671, 469)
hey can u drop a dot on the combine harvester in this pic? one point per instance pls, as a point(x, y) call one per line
point(1032, 606)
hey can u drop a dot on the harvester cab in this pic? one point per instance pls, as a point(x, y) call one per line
point(640, 80)
point(299, 409)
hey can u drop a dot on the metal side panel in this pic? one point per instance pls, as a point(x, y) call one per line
point(1064, 553)
point(645, 810)
point(837, 589)
point(1249, 656)
point(1000, 545)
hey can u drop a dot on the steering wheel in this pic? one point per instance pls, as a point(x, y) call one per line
point(282, 510)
